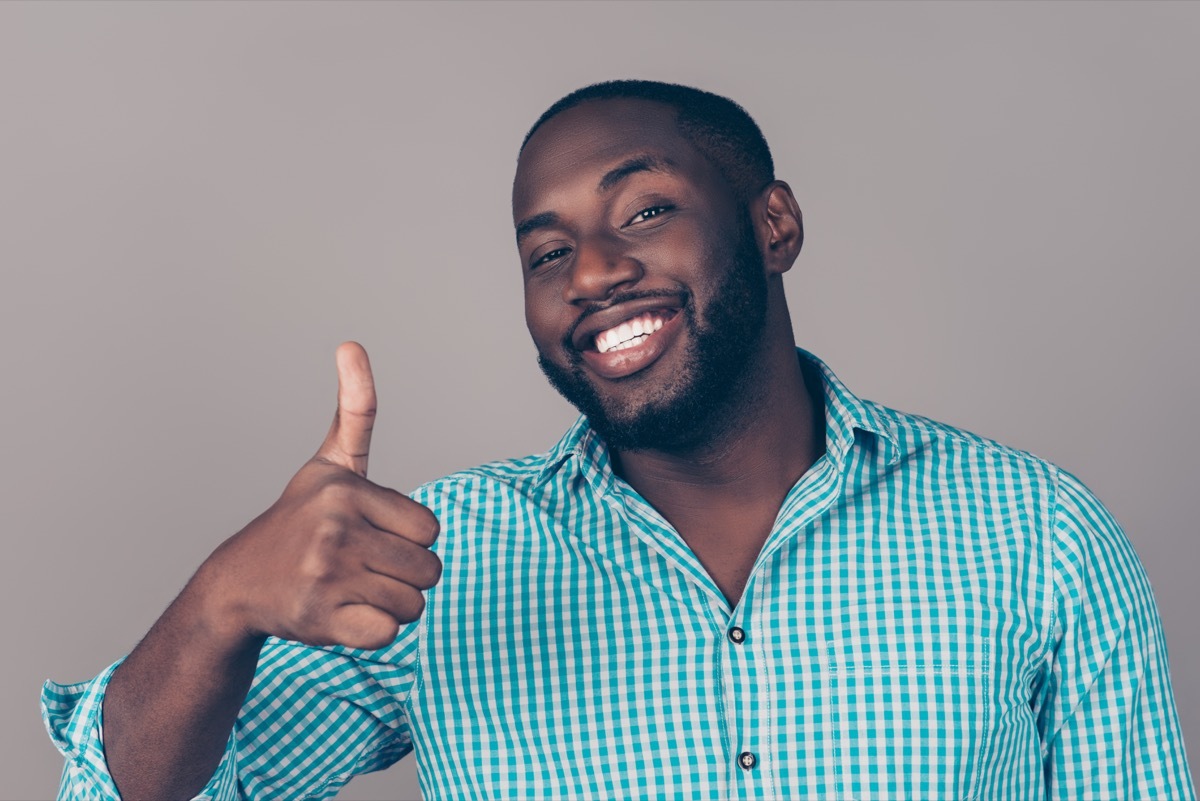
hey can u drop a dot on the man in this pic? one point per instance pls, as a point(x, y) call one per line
point(731, 578)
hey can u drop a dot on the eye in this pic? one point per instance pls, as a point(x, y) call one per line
point(550, 256)
point(648, 213)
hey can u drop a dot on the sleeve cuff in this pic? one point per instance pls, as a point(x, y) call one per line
point(72, 715)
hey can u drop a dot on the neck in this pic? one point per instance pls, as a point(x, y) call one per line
point(768, 438)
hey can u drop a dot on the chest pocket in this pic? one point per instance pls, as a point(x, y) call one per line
point(910, 723)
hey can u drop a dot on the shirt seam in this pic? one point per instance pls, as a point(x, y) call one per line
point(1051, 542)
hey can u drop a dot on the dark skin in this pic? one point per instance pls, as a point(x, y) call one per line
point(656, 228)
point(336, 560)
point(341, 560)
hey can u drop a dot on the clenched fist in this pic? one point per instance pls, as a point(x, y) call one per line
point(337, 560)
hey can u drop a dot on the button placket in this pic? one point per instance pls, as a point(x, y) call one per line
point(745, 724)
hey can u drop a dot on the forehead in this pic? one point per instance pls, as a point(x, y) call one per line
point(570, 152)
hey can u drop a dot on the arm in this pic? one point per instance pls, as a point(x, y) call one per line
point(336, 561)
point(313, 718)
point(1106, 714)
point(171, 705)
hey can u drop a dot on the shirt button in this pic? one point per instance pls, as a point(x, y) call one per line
point(737, 635)
point(747, 760)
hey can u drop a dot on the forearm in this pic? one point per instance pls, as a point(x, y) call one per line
point(336, 560)
point(171, 705)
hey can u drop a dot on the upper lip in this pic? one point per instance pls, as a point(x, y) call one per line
point(583, 335)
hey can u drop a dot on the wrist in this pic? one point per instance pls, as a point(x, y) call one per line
point(221, 617)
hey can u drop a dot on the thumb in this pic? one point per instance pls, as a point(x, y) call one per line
point(348, 442)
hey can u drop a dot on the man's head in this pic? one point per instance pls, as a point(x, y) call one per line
point(652, 235)
point(716, 126)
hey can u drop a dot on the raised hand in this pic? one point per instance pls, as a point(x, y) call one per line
point(337, 560)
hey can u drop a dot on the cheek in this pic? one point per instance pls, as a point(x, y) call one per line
point(544, 318)
point(685, 252)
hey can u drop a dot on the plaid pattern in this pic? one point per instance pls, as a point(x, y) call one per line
point(934, 616)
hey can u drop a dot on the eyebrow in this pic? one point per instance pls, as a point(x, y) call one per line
point(642, 163)
point(631, 166)
point(547, 219)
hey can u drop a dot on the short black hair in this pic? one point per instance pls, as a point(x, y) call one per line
point(718, 127)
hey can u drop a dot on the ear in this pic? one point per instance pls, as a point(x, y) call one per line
point(780, 227)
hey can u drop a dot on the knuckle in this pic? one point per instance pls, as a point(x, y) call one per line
point(413, 607)
point(429, 571)
point(393, 495)
point(331, 533)
point(337, 492)
point(429, 527)
point(316, 569)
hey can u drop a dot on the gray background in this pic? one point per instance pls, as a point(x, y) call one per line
point(198, 202)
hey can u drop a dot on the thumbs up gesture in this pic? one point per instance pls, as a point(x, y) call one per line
point(337, 560)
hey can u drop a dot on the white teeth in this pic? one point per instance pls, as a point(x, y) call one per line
point(629, 343)
point(629, 333)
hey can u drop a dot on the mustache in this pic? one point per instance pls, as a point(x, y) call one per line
point(617, 299)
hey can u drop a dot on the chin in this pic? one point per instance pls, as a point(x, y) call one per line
point(661, 417)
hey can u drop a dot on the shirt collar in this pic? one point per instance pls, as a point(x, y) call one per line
point(845, 413)
point(582, 444)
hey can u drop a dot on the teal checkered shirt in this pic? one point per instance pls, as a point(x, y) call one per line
point(933, 616)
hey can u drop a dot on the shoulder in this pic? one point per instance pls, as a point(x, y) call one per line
point(1077, 527)
point(922, 441)
point(517, 474)
point(499, 493)
point(919, 432)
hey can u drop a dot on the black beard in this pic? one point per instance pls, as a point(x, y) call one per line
point(694, 408)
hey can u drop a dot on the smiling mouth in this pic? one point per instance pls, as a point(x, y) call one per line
point(632, 345)
point(632, 332)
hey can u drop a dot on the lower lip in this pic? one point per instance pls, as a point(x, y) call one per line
point(627, 361)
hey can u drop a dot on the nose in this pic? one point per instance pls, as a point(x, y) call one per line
point(599, 269)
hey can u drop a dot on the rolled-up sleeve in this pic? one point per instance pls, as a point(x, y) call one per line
point(313, 719)
point(1106, 712)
